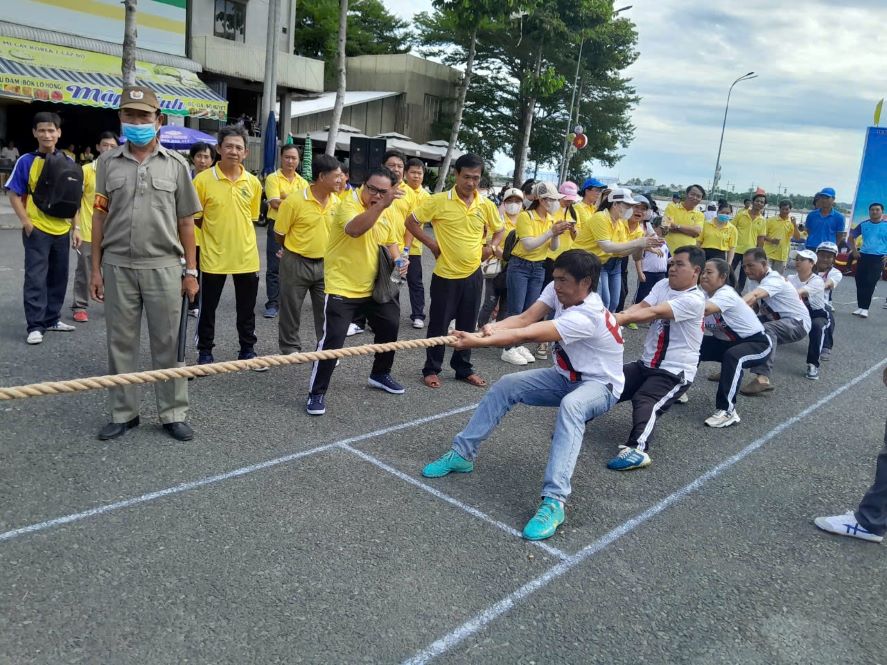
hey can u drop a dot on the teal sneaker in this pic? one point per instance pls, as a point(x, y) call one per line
point(546, 520)
point(449, 462)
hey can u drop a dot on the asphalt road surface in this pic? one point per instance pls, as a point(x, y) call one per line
point(278, 537)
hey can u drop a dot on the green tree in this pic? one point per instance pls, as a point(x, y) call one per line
point(372, 29)
point(519, 101)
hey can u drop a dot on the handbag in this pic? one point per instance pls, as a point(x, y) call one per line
point(384, 290)
point(491, 267)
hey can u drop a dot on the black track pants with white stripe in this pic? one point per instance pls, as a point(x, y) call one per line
point(734, 356)
point(651, 393)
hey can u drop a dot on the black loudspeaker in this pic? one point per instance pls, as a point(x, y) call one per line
point(366, 155)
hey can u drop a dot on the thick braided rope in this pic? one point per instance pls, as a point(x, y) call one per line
point(153, 376)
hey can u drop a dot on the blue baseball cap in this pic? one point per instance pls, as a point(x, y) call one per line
point(593, 182)
point(827, 191)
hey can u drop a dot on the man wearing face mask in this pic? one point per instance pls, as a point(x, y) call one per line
point(142, 229)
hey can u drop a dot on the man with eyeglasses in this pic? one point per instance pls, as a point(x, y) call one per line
point(461, 219)
point(359, 227)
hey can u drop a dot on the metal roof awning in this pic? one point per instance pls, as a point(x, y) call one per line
point(326, 101)
point(52, 73)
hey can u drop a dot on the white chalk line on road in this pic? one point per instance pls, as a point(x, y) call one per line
point(553, 551)
point(210, 480)
point(503, 606)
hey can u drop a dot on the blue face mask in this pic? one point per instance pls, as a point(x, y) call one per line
point(723, 219)
point(139, 134)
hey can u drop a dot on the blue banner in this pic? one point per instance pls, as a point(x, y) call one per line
point(872, 185)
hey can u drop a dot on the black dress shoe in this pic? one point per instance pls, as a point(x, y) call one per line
point(113, 430)
point(179, 431)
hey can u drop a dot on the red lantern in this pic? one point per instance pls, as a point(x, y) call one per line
point(580, 141)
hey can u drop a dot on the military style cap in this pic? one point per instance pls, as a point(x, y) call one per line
point(139, 98)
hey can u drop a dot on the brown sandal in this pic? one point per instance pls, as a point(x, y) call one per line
point(431, 381)
point(474, 380)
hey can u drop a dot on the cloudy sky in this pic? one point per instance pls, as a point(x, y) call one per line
point(800, 124)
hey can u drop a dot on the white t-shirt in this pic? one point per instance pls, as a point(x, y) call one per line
point(673, 345)
point(591, 343)
point(782, 298)
point(653, 263)
point(736, 320)
point(815, 290)
point(831, 274)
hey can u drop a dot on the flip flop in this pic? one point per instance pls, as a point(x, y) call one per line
point(431, 381)
point(474, 380)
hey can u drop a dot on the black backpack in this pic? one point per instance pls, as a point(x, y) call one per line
point(59, 187)
point(508, 245)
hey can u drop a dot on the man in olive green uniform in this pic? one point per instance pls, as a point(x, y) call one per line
point(143, 225)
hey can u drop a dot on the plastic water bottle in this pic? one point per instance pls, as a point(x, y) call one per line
point(399, 263)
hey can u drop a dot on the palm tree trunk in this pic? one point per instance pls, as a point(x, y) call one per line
point(130, 36)
point(457, 116)
point(340, 86)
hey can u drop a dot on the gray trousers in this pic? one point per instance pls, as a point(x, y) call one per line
point(783, 331)
point(82, 273)
point(872, 511)
point(157, 292)
point(299, 276)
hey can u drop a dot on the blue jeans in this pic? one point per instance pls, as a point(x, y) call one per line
point(610, 283)
point(577, 402)
point(524, 281)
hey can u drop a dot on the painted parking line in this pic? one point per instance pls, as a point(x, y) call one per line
point(221, 477)
point(553, 551)
point(503, 606)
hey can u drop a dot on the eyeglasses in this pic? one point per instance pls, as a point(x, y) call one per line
point(376, 190)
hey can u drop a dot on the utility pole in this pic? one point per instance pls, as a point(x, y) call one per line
point(717, 175)
point(341, 80)
point(130, 38)
point(272, 45)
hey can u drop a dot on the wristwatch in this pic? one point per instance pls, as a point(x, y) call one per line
point(190, 272)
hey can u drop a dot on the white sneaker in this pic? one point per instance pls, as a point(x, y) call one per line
point(35, 337)
point(513, 356)
point(525, 352)
point(863, 314)
point(846, 525)
point(418, 324)
point(683, 399)
point(721, 418)
point(353, 329)
point(857, 311)
point(812, 372)
point(60, 326)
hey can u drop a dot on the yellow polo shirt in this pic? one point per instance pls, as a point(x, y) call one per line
point(584, 211)
point(86, 203)
point(228, 245)
point(305, 223)
point(351, 264)
point(566, 238)
point(530, 224)
point(718, 236)
point(22, 181)
point(682, 217)
point(399, 210)
point(777, 227)
point(749, 229)
point(459, 229)
point(277, 184)
point(600, 226)
point(419, 195)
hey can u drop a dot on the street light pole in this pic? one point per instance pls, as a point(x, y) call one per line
point(566, 151)
point(716, 177)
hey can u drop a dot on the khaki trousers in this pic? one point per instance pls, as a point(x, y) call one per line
point(157, 291)
point(299, 276)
